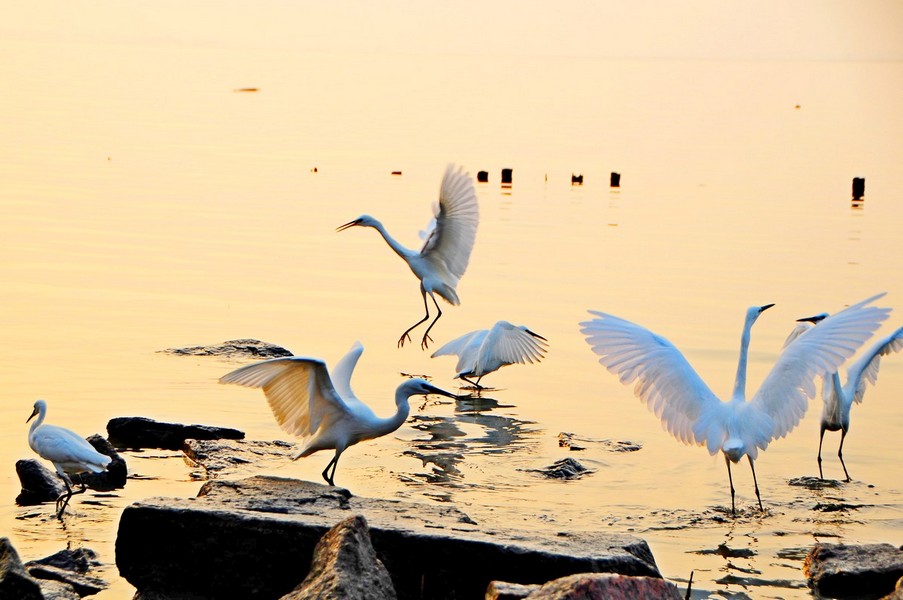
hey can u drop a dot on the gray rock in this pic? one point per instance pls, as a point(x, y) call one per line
point(502, 590)
point(14, 581)
point(345, 566)
point(249, 539)
point(863, 571)
point(39, 484)
point(79, 560)
point(233, 349)
point(566, 468)
point(228, 458)
point(57, 590)
point(117, 471)
point(594, 586)
point(84, 585)
point(141, 432)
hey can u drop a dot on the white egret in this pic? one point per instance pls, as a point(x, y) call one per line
point(69, 452)
point(443, 259)
point(323, 411)
point(693, 414)
point(838, 398)
point(483, 351)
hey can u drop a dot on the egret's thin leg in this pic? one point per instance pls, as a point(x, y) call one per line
point(64, 498)
point(426, 334)
point(755, 483)
point(821, 438)
point(730, 481)
point(335, 464)
point(426, 307)
point(843, 434)
point(326, 470)
point(475, 384)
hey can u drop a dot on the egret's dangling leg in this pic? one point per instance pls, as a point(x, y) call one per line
point(63, 500)
point(426, 307)
point(426, 334)
point(730, 481)
point(475, 384)
point(821, 438)
point(843, 434)
point(755, 483)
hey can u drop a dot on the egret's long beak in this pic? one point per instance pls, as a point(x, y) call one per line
point(434, 390)
point(33, 413)
point(813, 319)
point(764, 308)
point(348, 225)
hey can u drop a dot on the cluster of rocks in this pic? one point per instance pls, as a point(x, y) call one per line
point(61, 576)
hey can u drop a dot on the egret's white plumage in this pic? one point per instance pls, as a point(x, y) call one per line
point(450, 236)
point(69, 452)
point(483, 351)
point(693, 414)
point(324, 412)
point(837, 397)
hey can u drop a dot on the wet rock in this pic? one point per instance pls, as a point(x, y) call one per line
point(141, 432)
point(80, 560)
point(254, 538)
point(83, 585)
point(57, 590)
point(502, 590)
point(233, 349)
point(39, 484)
point(837, 506)
point(15, 582)
point(117, 471)
point(573, 442)
point(228, 458)
point(814, 483)
point(566, 468)
point(345, 566)
point(728, 552)
point(840, 570)
point(594, 586)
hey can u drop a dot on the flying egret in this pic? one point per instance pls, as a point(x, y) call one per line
point(693, 414)
point(483, 351)
point(69, 452)
point(323, 411)
point(443, 259)
point(838, 398)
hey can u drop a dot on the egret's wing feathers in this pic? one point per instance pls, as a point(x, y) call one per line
point(507, 344)
point(63, 446)
point(799, 330)
point(465, 348)
point(299, 391)
point(449, 244)
point(665, 381)
point(342, 371)
point(865, 370)
point(786, 390)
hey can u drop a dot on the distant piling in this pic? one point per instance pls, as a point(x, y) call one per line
point(615, 179)
point(858, 188)
point(482, 176)
point(576, 179)
point(507, 176)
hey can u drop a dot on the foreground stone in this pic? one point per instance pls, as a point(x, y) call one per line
point(594, 586)
point(255, 538)
point(14, 581)
point(141, 432)
point(861, 571)
point(345, 566)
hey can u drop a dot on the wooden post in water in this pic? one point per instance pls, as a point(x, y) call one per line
point(576, 179)
point(506, 176)
point(615, 179)
point(858, 188)
point(482, 176)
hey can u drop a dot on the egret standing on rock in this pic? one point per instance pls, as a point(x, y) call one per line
point(838, 398)
point(443, 259)
point(69, 452)
point(692, 413)
point(483, 351)
point(323, 411)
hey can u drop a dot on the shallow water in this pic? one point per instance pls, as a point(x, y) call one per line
point(148, 205)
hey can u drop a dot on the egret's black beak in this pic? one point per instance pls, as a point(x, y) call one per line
point(434, 390)
point(348, 225)
point(764, 308)
point(813, 319)
point(33, 413)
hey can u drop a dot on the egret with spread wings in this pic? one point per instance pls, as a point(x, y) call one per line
point(441, 263)
point(738, 427)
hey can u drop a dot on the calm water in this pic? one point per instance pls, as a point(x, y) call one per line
point(147, 204)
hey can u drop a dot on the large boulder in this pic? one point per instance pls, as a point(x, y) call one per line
point(141, 432)
point(14, 581)
point(861, 571)
point(254, 539)
point(39, 484)
point(345, 566)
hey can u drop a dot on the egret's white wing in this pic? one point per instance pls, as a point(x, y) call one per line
point(507, 344)
point(865, 370)
point(342, 371)
point(449, 244)
point(465, 348)
point(665, 381)
point(785, 392)
point(799, 330)
point(61, 445)
point(299, 391)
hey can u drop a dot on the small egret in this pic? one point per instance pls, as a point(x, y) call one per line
point(69, 452)
point(692, 413)
point(838, 398)
point(441, 262)
point(483, 351)
point(323, 411)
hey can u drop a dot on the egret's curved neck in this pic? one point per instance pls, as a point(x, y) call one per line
point(37, 422)
point(392, 423)
point(740, 380)
point(400, 250)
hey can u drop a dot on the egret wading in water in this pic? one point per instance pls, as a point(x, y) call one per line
point(322, 410)
point(483, 351)
point(441, 263)
point(69, 452)
point(692, 413)
point(838, 398)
